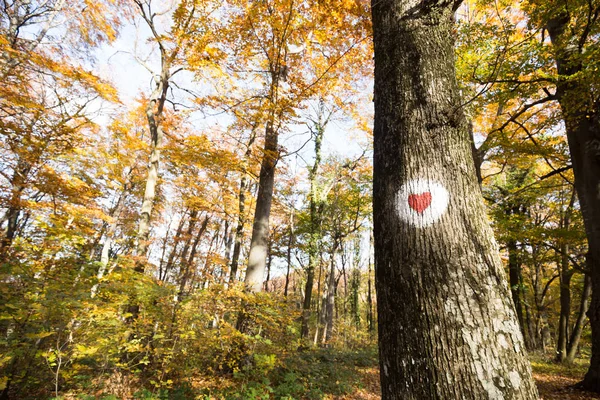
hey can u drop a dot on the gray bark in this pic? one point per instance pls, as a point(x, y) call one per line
point(257, 258)
point(447, 325)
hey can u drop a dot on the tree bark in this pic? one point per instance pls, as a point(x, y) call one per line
point(153, 114)
point(257, 259)
point(578, 327)
point(581, 113)
point(565, 304)
point(447, 325)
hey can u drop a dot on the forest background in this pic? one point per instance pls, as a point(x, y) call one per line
point(138, 140)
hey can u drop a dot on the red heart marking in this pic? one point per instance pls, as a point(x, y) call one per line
point(419, 202)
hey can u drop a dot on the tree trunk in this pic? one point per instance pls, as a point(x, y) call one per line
point(514, 273)
point(257, 258)
point(370, 318)
point(582, 122)
point(314, 239)
point(330, 305)
point(578, 327)
point(104, 255)
point(153, 114)
point(239, 230)
point(269, 261)
point(354, 305)
point(176, 239)
point(289, 252)
point(447, 325)
point(565, 304)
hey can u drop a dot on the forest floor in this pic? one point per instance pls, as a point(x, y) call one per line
point(328, 374)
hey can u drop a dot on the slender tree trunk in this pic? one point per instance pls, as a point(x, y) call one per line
point(530, 335)
point(447, 325)
point(289, 252)
point(514, 273)
point(370, 318)
point(330, 304)
point(565, 304)
point(320, 305)
point(188, 261)
point(322, 311)
point(581, 114)
point(239, 230)
point(153, 114)
point(104, 255)
point(176, 239)
point(578, 327)
point(354, 304)
point(269, 261)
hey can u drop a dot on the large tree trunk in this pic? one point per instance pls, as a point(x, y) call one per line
point(447, 325)
point(581, 114)
point(257, 259)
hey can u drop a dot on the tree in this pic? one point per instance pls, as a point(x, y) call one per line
point(553, 60)
point(447, 325)
point(579, 102)
point(46, 96)
point(273, 57)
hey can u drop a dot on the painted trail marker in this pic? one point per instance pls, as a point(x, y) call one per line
point(422, 202)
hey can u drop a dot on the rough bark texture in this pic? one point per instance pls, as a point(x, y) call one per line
point(447, 325)
point(581, 112)
point(257, 259)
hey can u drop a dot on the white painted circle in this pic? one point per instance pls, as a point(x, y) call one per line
point(422, 202)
